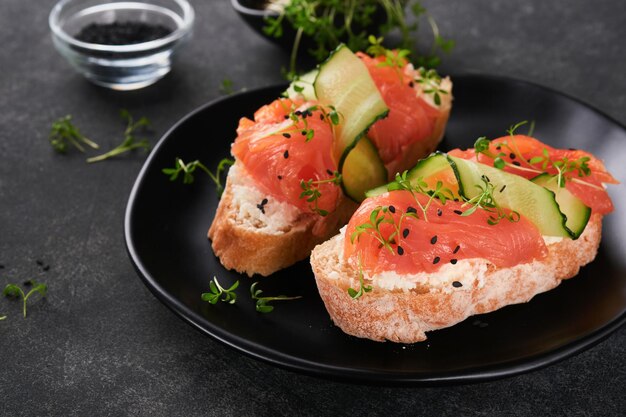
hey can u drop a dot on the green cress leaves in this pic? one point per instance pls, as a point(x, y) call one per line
point(262, 303)
point(218, 293)
point(63, 133)
point(330, 22)
point(130, 140)
point(567, 170)
point(187, 169)
point(14, 291)
point(228, 295)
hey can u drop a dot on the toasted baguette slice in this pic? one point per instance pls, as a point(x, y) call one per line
point(254, 241)
point(403, 308)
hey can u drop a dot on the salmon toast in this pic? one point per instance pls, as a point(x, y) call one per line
point(304, 161)
point(463, 233)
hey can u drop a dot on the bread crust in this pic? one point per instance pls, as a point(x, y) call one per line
point(251, 251)
point(405, 315)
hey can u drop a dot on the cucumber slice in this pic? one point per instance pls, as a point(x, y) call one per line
point(344, 82)
point(362, 169)
point(530, 200)
point(425, 168)
point(304, 87)
point(575, 210)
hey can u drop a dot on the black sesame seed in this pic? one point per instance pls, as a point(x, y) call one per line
point(264, 201)
point(433, 240)
point(392, 209)
point(436, 260)
point(459, 212)
point(498, 147)
point(405, 233)
point(453, 261)
point(439, 212)
point(411, 84)
point(516, 163)
point(303, 133)
point(1, 266)
point(46, 268)
point(298, 113)
point(503, 187)
point(512, 155)
point(321, 116)
point(39, 262)
point(280, 177)
point(572, 149)
point(456, 249)
point(329, 172)
point(400, 251)
point(286, 116)
point(27, 283)
point(456, 284)
point(287, 135)
point(411, 210)
point(286, 154)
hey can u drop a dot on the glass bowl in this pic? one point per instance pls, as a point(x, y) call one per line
point(121, 67)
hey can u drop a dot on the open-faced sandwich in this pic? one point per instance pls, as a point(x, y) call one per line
point(305, 160)
point(463, 233)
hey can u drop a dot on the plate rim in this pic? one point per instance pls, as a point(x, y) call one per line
point(294, 363)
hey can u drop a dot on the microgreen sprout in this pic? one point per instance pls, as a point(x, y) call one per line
point(187, 169)
point(420, 186)
point(130, 140)
point(14, 291)
point(262, 303)
point(395, 59)
point(218, 293)
point(63, 133)
point(362, 287)
point(566, 169)
point(227, 86)
point(3, 318)
point(431, 84)
point(312, 193)
point(330, 22)
point(485, 200)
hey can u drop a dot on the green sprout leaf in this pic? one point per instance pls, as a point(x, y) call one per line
point(188, 169)
point(14, 291)
point(64, 134)
point(218, 293)
point(130, 141)
point(262, 302)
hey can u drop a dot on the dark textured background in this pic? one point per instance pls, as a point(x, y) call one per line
point(101, 344)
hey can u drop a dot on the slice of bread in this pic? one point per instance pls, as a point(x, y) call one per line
point(252, 240)
point(403, 308)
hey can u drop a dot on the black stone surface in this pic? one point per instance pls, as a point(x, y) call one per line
point(101, 344)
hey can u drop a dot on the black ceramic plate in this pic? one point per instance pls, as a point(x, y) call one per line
point(166, 225)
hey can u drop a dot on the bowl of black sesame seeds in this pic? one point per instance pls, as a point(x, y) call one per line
point(122, 45)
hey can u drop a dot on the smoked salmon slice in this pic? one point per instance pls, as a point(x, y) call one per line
point(289, 142)
point(428, 239)
point(528, 157)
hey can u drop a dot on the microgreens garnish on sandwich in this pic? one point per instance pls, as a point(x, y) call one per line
point(486, 201)
point(566, 169)
point(310, 191)
point(362, 287)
